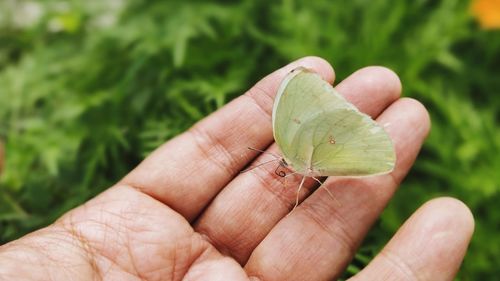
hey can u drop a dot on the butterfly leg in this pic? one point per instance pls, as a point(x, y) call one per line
point(298, 193)
point(328, 191)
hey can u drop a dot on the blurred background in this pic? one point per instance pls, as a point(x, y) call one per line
point(89, 88)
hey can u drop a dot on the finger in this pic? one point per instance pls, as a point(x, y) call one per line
point(257, 200)
point(320, 237)
point(188, 171)
point(441, 228)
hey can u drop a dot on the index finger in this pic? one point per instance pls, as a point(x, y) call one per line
point(188, 171)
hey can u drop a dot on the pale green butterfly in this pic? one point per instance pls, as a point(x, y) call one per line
point(321, 134)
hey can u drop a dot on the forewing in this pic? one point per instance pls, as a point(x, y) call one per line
point(301, 96)
point(346, 142)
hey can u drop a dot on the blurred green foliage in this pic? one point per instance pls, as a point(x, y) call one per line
point(88, 88)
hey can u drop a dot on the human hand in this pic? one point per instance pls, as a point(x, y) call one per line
point(186, 212)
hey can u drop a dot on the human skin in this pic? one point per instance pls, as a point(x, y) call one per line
point(187, 213)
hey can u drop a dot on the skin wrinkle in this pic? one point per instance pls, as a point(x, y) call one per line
point(329, 209)
point(238, 240)
point(88, 252)
point(139, 189)
point(198, 258)
point(49, 261)
point(399, 264)
point(132, 260)
point(24, 257)
point(113, 262)
point(135, 272)
point(176, 249)
point(195, 239)
point(253, 95)
point(281, 194)
point(123, 217)
point(175, 260)
point(85, 246)
point(343, 236)
point(205, 235)
point(45, 255)
point(204, 141)
point(190, 250)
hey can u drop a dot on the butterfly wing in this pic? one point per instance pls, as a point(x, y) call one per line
point(301, 95)
point(344, 142)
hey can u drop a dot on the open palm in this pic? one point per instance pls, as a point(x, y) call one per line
point(187, 213)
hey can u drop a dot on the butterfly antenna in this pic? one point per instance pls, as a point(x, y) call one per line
point(328, 191)
point(265, 152)
point(258, 165)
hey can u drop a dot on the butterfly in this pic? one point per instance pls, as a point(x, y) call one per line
point(319, 133)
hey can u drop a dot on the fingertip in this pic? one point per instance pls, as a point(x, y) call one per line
point(318, 64)
point(452, 212)
point(383, 78)
point(429, 246)
point(419, 114)
point(269, 85)
point(442, 226)
point(413, 114)
point(372, 89)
